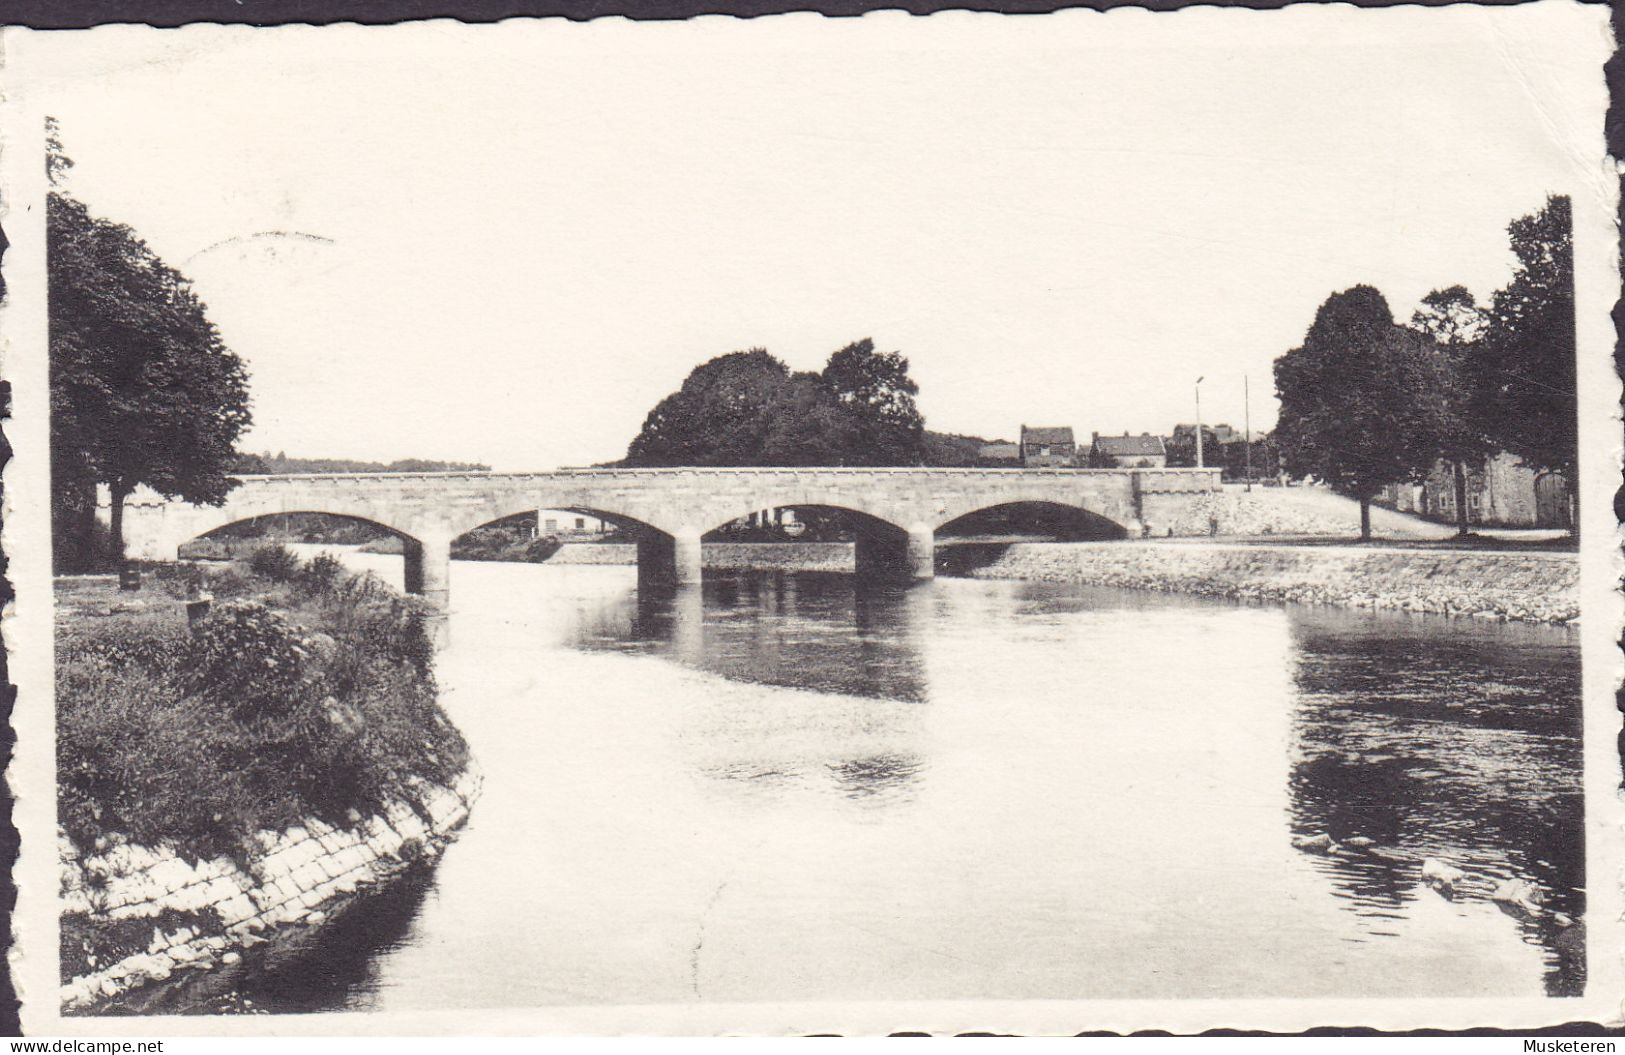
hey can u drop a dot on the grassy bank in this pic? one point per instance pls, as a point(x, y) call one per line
point(305, 692)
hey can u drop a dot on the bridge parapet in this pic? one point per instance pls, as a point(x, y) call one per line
point(1177, 481)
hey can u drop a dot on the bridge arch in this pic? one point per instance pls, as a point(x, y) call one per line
point(665, 554)
point(888, 542)
point(620, 515)
point(283, 514)
point(1120, 515)
point(426, 570)
point(204, 520)
point(1064, 518)
point(864, 519)
point(466, 524)
point(878, 517)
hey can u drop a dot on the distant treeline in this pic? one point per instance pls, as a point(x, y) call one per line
point(950, 450)
point(281, 463)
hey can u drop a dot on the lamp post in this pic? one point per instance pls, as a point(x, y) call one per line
point(1247, 422)
point(1199, 422)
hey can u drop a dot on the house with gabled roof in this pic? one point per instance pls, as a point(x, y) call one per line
point(1144, 451)
point(1048, 447)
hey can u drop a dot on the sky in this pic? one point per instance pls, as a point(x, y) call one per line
point(506, 243)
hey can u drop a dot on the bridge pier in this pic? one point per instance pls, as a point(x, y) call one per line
point(688, 624)
point(686, 557)
point(921, 552)
point(896, 555)
point(428, 574)
point(673, 559)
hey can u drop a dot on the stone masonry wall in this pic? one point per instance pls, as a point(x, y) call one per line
point(1532, 587)
point(788, 556)
point(300, 875)
point(1254, 514)
point(595, 553)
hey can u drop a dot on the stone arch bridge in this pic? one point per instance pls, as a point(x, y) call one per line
point(899, 510)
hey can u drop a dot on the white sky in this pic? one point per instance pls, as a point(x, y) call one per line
point(527, 234)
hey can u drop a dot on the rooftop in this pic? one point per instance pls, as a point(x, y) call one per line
point(1125, 445)
point(1046, 434)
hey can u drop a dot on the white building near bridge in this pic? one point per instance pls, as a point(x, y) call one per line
point(566, 523)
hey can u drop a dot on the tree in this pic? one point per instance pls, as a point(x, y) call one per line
point(1454, 322)
point(721, 415)
point(1181, 447)
point(748, 408)
point(1451, 317)
point(807, 426)
point(878, 395)
point(1529, 345)
point(1359, 400)
point(143, 390)
point(1238, 460)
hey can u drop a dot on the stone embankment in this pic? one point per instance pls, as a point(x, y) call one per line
point(1533, 587)
point(772, 556)
point(1265, 511)
point(134, 916)
point(767, 556)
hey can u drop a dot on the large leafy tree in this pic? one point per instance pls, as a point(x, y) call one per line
point(1359, 400)
point(720, 416)
point(749, 408)
point(1529, 345)
point(878, 395)
point(1454, 322)
point(143, 390)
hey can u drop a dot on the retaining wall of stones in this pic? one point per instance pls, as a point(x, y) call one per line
point(297, 878)
point(1534, 587)
point(786, 556)
point(595, 553)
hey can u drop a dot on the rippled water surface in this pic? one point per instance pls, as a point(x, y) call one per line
point(788, 787)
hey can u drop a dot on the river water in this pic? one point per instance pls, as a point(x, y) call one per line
point(791, 787)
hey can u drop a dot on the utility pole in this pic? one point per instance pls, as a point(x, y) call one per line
point(1199, 422)
point(1247, 423)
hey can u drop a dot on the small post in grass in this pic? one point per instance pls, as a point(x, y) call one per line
point(198, 601)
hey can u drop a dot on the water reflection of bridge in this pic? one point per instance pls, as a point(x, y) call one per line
point(896, 512)
point(820, 631)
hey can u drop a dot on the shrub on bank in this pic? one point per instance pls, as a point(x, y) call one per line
point(322, 574)
point(316, 697)
point(274, 562)
point(500, 545)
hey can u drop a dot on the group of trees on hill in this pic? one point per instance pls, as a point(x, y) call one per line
point(951, 449)
point(749, 408)
point(266, 462)
point(1367, 402)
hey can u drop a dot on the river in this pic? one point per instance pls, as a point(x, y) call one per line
point(787, 787)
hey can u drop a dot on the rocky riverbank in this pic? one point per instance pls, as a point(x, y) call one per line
point(1539, 587)
point(243, 752)
point(141, 922)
